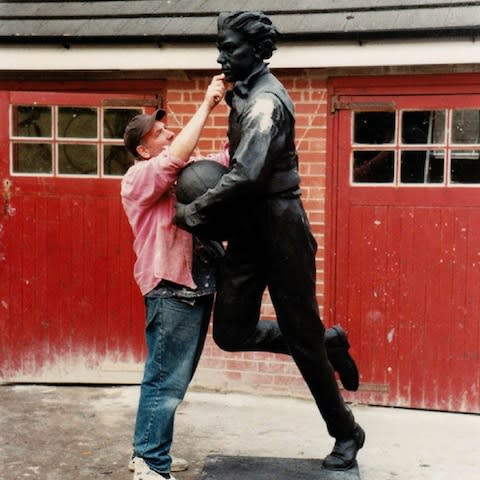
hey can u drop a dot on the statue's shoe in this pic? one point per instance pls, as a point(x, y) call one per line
point(345, 451)
point(336, 344)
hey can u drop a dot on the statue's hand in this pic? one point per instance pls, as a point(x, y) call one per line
point(180, 216)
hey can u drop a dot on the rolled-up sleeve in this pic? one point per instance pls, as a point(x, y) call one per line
point(147, 181)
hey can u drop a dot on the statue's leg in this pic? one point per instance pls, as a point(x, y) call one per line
point(237, 325)
point(291, 281)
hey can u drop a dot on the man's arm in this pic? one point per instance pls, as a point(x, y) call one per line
point(185, 142)
point(154, 177)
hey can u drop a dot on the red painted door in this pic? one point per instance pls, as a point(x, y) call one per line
point(69, 310)
point(406, 242)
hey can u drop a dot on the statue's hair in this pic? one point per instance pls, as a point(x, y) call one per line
point(255, 26)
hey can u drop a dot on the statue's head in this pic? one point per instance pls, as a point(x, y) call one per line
point(244, 41)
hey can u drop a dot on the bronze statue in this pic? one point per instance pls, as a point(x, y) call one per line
point(270, 243)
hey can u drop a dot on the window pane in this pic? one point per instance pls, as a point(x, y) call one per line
point(77, 159)
point(31, 158)
point(422, 167)
point(116, 119)
point(76, 122)
point(465, 166)
point(116, 160)
point(373, 167)
point(466, 126)
point(374, 127)
point(423, 127)
point(30, 121)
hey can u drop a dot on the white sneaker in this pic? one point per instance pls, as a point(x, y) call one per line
point(143, 472)
point(178, 464)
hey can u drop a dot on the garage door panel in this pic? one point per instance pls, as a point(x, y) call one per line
point(407, 254)
point(68, 302)
point(404, 270)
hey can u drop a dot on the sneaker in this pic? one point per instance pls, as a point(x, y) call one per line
point(178, 464)
point(143, 472)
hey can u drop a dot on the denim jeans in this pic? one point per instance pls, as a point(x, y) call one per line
point(175, 334)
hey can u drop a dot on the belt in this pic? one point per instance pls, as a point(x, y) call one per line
point(283, 181)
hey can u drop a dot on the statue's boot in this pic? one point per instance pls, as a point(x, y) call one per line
point(345, 451)
point(336, 343)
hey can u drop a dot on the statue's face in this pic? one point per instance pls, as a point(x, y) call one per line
point(236, 56)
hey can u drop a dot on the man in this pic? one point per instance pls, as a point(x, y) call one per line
point(174, 273)
point(270, 243)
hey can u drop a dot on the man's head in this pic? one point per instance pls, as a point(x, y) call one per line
point(244, 41)
point(146, 136)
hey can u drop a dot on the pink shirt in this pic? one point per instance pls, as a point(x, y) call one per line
point(163, 250)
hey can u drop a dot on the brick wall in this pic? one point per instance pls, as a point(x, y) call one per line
point(250, 371)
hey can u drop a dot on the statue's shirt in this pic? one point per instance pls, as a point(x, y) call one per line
point(263, 157)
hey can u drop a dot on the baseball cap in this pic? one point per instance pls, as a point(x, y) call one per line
point(138, 127)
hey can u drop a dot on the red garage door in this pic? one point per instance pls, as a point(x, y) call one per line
point(69, 310)
point(405, 238)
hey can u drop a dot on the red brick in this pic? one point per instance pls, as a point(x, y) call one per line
point(318, 85)
point(213, 132)
point(302, 83)
point(240, 365)
point(309, 108)
point(254, 379)
point(233, 375)
point(288, 83)
point(174, 96)
point(297, 97)
point(213, 362)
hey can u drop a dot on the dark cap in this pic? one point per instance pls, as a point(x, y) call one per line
point(138, 127)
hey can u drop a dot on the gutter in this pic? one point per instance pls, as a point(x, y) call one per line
point(194, 56)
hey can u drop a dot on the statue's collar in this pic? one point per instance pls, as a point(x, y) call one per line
point(242, 88)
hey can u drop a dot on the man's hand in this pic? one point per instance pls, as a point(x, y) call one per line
point(215, 91)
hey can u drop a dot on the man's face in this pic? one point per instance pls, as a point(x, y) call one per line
point(236, 56)
point(155, 140)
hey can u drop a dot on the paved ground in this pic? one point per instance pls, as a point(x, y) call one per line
point(84, 433)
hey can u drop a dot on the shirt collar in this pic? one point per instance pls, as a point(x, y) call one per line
point(242, 88)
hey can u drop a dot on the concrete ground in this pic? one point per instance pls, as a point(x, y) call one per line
point(80, 433)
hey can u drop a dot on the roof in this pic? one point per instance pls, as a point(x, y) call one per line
point(167, 21)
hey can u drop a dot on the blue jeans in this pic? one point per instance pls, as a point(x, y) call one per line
point(175, 334)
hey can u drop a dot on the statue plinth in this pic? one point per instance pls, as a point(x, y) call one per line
point(224, 467)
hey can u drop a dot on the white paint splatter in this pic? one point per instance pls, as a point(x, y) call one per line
point(390, 335)
point(374, 316)
point(263, 112)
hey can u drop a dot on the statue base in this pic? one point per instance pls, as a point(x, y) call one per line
point(223, 467)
